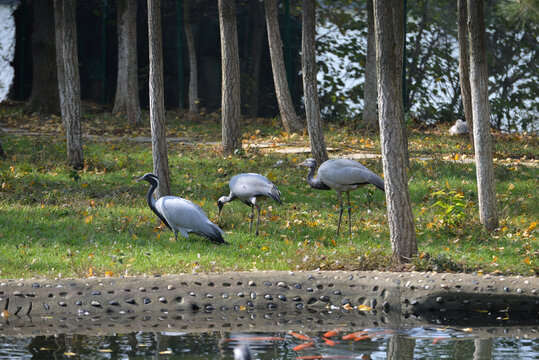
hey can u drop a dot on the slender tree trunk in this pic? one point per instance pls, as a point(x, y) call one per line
point(398, 26)
point(370, 118)
point(310, 92)
point(68, 79)
point(464, 65)
point(193, 72)
point(127, 93)
point(290, 120)
point(230, 70)
point(399, 208)
point(44, 98)
point(256, 43)
point(488, 213)
point(157, 104)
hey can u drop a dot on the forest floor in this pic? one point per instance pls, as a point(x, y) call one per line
point(58, 222)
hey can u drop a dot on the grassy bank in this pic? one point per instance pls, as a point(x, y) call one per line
point(55, 222)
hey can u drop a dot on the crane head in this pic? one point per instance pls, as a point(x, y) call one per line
point(310, 163)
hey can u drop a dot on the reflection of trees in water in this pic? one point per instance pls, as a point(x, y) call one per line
point(400, 347)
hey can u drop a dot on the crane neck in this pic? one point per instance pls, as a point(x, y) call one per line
point(151, 202)
point(315, 183)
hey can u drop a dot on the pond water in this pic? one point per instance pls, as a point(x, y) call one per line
point(417, 343)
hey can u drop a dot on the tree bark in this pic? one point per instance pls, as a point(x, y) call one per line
point(253, 93)
point(290, 120)
point(193, 71)
point(398, 26)
point(230, 72)
point(370, 118)
point(68, 79)
point(399, 209)
point(127, 93)
point(488, 213)
point(310, 93)
point(464, 65)
point(44, 98)
point(157, 104)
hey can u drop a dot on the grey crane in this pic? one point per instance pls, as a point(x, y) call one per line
point(342, 175)
point(248, 187)
point(181, 215)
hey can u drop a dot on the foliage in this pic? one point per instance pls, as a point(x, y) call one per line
point(450, 206)
point(432, 82)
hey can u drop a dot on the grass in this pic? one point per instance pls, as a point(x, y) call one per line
point(59, 223)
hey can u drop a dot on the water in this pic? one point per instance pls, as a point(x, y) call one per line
point(417, 343)
point(301, 335)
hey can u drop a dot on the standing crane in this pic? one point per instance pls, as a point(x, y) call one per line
point(341, 175)
point(181, 215)
point(248, 188)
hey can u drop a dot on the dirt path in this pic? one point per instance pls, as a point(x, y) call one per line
point(281, 148)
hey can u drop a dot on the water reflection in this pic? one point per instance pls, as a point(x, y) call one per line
point(401, 344)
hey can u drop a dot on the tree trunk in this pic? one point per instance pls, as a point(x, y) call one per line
point(464, 65)
point(44, 98)
point(193, 74)
point(370, 118)
point(488, 213)
point(290, 120)
point(310, 93)
point(398, 26)
point(127, 93)
point(399, 209)
point(157, 104)
point(230, 72)
point(254, 58)
point(68, 79)
point(400, 348)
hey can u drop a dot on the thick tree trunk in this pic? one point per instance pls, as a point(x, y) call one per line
point(68, 79)
point(370, 118)
point(464, 65)
point(290, 120)
point(310, 92)
point(488, 213)
point(255, 54)
point(127, 94)
point(230, 70)
point(44, 98)
point(157, 104)
point(398, 26)
point(399, 209)
point(193, 72)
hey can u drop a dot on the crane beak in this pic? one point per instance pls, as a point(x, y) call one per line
point(139, 179)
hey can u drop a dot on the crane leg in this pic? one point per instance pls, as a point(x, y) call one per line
point(349, 215)
point(340, 212)
point(257, 219)
point(252, 215)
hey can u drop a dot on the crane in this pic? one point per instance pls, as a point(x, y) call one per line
point(181, 215)
point(341, 175)
point(248, 187)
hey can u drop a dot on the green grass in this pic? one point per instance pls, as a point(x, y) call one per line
point(55, 222)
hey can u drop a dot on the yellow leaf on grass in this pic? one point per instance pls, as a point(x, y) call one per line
point(88, 219)
point(109, 273)
point(532, 226)
point(456, 157)
point(527, 260)
point(68, 353)
point(271, 176)
point(264, 248)
point(511, 186)
point(166, 352)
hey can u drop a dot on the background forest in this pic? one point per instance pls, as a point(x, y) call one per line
point(431, 57)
